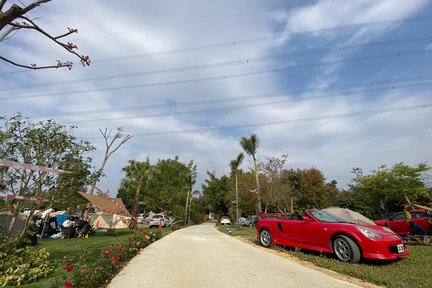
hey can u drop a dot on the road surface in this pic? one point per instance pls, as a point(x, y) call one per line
point(201, 256)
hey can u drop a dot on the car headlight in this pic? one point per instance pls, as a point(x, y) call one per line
point(369, 234)
point(388, 230)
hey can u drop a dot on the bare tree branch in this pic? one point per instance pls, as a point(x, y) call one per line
point(108, 152)
point(2, 3)
point(7, 32)
point(35, 67)
point(15, 12)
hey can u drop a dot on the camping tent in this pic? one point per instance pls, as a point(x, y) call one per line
point(349, 215)
point(106, 204)
point(109, 221)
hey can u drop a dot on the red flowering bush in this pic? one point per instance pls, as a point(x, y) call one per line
point(91, 271)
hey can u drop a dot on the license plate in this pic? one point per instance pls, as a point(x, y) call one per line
point(400, 248)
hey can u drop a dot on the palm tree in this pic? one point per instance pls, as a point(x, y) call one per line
point(137, 174)
point(234, 167)
point(250, 146)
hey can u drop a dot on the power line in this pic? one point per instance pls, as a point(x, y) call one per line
point(274, 94)
point(296, 120)
point(273, 37)
point(224, 77)
point(210, 110)
point(176, 25)
point(234, 62)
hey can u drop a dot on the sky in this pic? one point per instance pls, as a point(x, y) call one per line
point(333, 84)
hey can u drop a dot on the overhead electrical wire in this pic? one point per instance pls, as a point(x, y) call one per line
point(177, 24)
point(220, 109)
point(267, 95)
point(273, 37)
point(223, 77)
point(232, 62)
point(282, 122)
point(245, 41)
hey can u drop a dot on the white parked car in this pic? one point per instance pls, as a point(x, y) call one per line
point(225, 220)
point(159, 218)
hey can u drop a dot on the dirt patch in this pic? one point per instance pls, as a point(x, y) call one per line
point(311, 265)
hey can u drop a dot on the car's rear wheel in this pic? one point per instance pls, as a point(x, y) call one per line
point(346, 249)
point(265, 237)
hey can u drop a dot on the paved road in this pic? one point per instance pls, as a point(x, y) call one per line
point(201, 256)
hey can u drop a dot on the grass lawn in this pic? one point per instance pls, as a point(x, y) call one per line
point(58, 248)
point(412, 271)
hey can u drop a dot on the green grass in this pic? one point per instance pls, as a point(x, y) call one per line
point(58, 248)
point(412, 271)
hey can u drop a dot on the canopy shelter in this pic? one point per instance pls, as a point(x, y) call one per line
point(106, 204)
point(349, 215)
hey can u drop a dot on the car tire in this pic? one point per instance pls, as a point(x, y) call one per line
point(265, 237)
point(346, 250)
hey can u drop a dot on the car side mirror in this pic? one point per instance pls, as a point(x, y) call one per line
point(306, 219)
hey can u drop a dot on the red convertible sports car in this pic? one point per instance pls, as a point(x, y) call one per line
point(322, 231)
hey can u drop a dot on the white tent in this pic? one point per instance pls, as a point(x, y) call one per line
point(109, 221)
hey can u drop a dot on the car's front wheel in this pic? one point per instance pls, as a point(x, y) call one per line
point(346, 249)
point(265, 237)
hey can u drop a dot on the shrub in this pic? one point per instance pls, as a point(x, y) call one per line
point(21, 263)
point(91, 271)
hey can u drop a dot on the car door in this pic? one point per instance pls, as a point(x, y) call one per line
point(421, 218)
point(398, 224)
point(305, 232)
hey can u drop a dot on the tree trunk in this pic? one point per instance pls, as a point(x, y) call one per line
point(237, 200)
point(257, 187)
point(134, 222)
point(186, 207)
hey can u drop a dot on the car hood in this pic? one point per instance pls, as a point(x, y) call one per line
point(373, 228)
point(377, 230)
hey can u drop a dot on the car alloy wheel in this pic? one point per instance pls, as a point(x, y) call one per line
point(346, 249)
point(265, 237)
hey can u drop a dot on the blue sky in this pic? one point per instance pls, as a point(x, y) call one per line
point(334, 84)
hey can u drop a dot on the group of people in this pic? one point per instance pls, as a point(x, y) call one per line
point(57, 227)
point(74, 226)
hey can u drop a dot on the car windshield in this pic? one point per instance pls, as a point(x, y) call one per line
point(157, 216)
point(324, 216)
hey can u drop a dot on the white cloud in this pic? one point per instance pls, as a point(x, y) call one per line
point(335, 145)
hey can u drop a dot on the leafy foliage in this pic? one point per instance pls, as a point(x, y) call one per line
point(21, 263)
point(45, 144)
point(89, 270)
point(163, 189)
point(386, 187)
point(218, 193)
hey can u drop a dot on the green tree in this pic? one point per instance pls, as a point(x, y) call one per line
point(250, 146)
point(386, 187)
point(135, 181)
point(275, 192)
point(48, 144)
point(234, 164)
point(217, 193)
